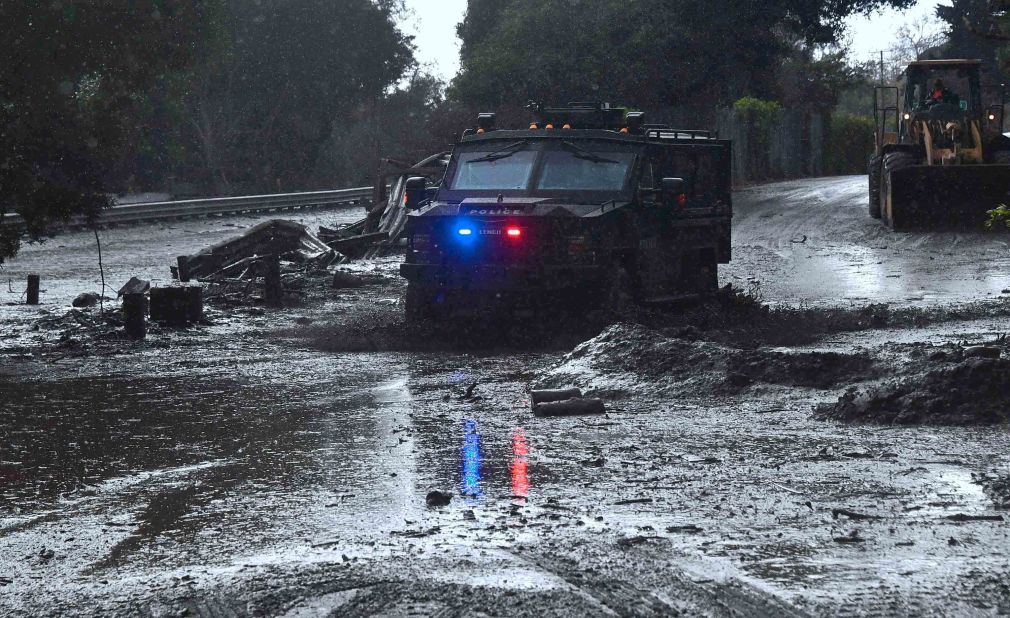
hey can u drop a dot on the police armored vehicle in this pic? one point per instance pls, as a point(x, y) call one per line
point(588, 207)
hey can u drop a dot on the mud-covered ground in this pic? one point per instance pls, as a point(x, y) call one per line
point(843, 452)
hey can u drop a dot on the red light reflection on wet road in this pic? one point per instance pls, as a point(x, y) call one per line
point(520, 463)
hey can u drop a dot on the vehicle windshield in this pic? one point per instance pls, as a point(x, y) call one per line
point(484, 169)
point(545, 166)
point(955, 89)
point(606, 171)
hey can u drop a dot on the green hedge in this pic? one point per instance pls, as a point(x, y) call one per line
point(849, 144)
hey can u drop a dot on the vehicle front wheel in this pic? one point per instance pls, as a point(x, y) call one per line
point(893, 161)
point(617, 291)
point(418, 303)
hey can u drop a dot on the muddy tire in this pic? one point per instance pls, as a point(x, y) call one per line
point(893, 161)
point(874, 175)
point(699, 273)
point(708, 274)
point(618, 295)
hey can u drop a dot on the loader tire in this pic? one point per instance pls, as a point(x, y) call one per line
point(874, 175)
point(893, 161)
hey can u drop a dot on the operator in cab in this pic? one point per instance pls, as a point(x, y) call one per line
point(940, 94)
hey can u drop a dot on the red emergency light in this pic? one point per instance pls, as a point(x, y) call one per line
point(513, 232)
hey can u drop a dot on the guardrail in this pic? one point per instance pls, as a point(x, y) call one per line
point(155, 211)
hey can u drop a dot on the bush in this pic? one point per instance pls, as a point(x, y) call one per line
point(758, 109)
point(849, 144)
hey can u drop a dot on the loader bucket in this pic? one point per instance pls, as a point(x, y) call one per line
point(945, 197)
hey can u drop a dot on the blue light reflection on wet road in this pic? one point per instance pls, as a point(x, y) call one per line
point(471, 454)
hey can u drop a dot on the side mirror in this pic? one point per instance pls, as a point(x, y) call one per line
point(414, 192)
point(673, 191)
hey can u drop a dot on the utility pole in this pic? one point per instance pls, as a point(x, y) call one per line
point(881, 66)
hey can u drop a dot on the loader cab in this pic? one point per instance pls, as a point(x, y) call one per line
point(941, 124)
point(962, 100)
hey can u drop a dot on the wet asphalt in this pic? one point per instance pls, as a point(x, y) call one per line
point(246, 468)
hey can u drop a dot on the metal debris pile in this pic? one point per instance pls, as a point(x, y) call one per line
point(275, 258)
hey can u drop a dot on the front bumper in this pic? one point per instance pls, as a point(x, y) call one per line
point(497, 277)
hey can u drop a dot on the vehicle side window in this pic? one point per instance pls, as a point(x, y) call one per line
point(647, 180)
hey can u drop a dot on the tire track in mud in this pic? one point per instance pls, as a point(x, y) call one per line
point(628, 590)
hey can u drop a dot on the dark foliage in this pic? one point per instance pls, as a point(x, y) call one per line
point(69, 82)
point(646, 53)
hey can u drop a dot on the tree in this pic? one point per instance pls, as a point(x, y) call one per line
point(965, 22)
point(639, 52)
point(287, 77)
point(917, 40)
point(70, 79)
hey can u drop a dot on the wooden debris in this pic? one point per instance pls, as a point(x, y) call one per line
point(569, 407)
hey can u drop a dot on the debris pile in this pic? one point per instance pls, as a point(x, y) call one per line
point(973, 391)
point(239, 271)
point(78, 332)
point(381, 231)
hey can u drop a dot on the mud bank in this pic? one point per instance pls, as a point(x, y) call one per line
point(629, 359)
point(974, 391)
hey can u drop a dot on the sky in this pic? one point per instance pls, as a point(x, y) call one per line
point(433, 23)
point(870, 35)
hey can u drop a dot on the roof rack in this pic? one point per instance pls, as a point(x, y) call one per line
point(668, 133)
point(580, 115)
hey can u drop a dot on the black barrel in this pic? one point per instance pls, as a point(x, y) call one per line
point(33, 289)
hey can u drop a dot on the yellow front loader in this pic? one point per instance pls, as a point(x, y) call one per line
point(941, 160)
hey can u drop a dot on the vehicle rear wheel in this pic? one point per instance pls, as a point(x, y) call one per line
point(893, 161)
point(874, 175)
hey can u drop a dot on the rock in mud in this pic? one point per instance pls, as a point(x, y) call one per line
point(86, 299)
point(437, 498)
point(973, 392)
point(343, 280)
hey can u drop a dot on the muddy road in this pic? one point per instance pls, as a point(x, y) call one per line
point(812, 241)
point(277, 463)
